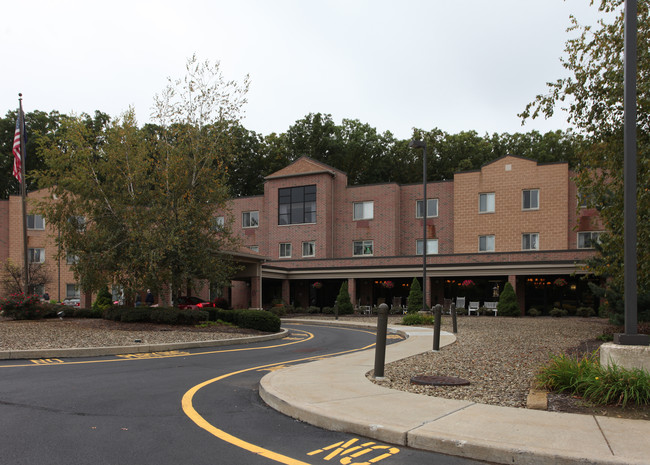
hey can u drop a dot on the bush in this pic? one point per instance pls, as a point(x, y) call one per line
point(136, 314)
point(103, 301)
point(279, 310)
point(328, 310)
point(220, 302)
point(415, 298)
point(313, 309)
point(585, 311)
point(343, 300)
point(558, 312)
point(84, 313)
point(532, 311)
point(22, 307)
point(586, 377)
point(417, 319)
point(167, 316)
point(507, 305)
point(260, 320)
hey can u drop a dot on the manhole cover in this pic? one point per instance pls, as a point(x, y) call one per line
point(439, 380)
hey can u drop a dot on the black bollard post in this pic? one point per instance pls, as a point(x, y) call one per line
point(436, 328)
point(380, 346)
point(453, 318)
point(336, 310)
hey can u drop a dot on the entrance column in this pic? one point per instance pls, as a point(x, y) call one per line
point(520, 291)
point(286, 292)
point(352, 290)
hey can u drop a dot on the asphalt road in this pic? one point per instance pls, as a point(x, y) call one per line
point(195, 407)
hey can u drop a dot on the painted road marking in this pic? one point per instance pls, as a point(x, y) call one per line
point(345, 448)
point(168, 353)
point(46, 361)
point(118, 358)
point(201, 422)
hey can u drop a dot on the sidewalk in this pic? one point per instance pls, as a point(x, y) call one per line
point(335, 394)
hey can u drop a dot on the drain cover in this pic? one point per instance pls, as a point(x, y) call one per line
point(439, 380)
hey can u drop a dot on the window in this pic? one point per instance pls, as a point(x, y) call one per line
point(297, 205)
point(530, 241)
point(35, 222)
point(486, 243)
point(219, 223)
point(363, 248)
point(79, 222)
point(587, 240)
point(486, 203)
point(363, 210)
point(432, 246)
point(254, 248)
point(71, 259)
point(285, 250)
point(72, 291)
point(530, 199)
point(250, 219)
point(36, 255)
point(432, 208)
point(309, 249)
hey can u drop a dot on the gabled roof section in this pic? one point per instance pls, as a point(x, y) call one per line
point(304, 166)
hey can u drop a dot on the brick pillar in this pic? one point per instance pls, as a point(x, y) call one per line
point(427, 298)
point(520, 291)
point(352, 290)
point(286, 291)
point(256, 292)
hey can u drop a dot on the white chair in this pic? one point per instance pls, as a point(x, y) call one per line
point(460, 303)
point(367, 309)
point(473, 307)
point(491, 306)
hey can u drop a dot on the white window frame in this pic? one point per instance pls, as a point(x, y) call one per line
point(530, 235)
point(220, 222)
point(489, 239)
point(488, 204)
point(36, 252)
point(530, 199)
point(284, 250)
point(429, 203)
point(246, 221)
point(363, 244)
point(432, 246)
point(71, 259)
point(367, 211)
point(254, 248)
point(34, 219)
point(309, 245)
point(593, 238)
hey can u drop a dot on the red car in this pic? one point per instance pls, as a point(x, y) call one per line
point(191, 302)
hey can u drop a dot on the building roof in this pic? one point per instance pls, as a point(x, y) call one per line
point(303, 166)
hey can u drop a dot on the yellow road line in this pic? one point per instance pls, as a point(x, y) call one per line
point(191, 412)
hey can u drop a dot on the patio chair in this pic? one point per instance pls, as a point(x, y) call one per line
point(491, 307)
point(473, 307)
point(446, 306)
point(460, 303)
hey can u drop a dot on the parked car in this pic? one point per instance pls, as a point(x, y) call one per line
point(192, 302)
point(71, 302)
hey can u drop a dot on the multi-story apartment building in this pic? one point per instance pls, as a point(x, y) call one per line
point(514, 220)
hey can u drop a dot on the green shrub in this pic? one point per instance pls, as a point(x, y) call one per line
point(508, 305)
point(585, 311)
point(136, 314)
point(86, 313)
point(220, 302)
point(415, 298)
point(113, 313)
point(23, 307)
point(103, 301)
point(191, 317)
point(328, 310)
point(586, 377)
point(343, 300)
point(278, 310)
point(312, 310)
point(558, 312)
point(260, 320)
point(417, 319)
point(534, 312)
point(167, 316)
point(299, 310)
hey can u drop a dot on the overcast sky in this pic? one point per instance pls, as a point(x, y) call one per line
point(398, 64)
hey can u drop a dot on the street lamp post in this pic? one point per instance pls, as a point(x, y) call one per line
point(416, 144)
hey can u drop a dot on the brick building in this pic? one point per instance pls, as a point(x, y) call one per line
point(513, 220)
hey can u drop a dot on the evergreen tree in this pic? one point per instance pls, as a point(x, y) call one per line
point(415, 299)
point(343, 300)
point(508, 305)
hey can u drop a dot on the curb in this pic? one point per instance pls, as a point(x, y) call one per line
point(134, 349)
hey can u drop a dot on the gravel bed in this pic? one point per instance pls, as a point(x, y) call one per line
point(75, 333)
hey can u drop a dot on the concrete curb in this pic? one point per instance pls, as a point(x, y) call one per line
point(133, 349)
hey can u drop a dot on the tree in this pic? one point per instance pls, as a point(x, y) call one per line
point(415, 298)
point(343, 300)
point(594, 93)
point(507, 305)
point(137, 206)
point(12, 282)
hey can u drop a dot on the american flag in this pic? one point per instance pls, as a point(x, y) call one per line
point(16, 151)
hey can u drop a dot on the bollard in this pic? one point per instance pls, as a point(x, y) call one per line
point(336, 310)
point(436, 327)
point(453, 318)
point(380, 346)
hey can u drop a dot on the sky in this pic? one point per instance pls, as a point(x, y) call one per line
point(395, 65)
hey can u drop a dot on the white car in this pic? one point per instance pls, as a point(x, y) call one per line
point(71, 302)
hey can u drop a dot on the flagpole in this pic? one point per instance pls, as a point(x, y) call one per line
point(23, 193)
